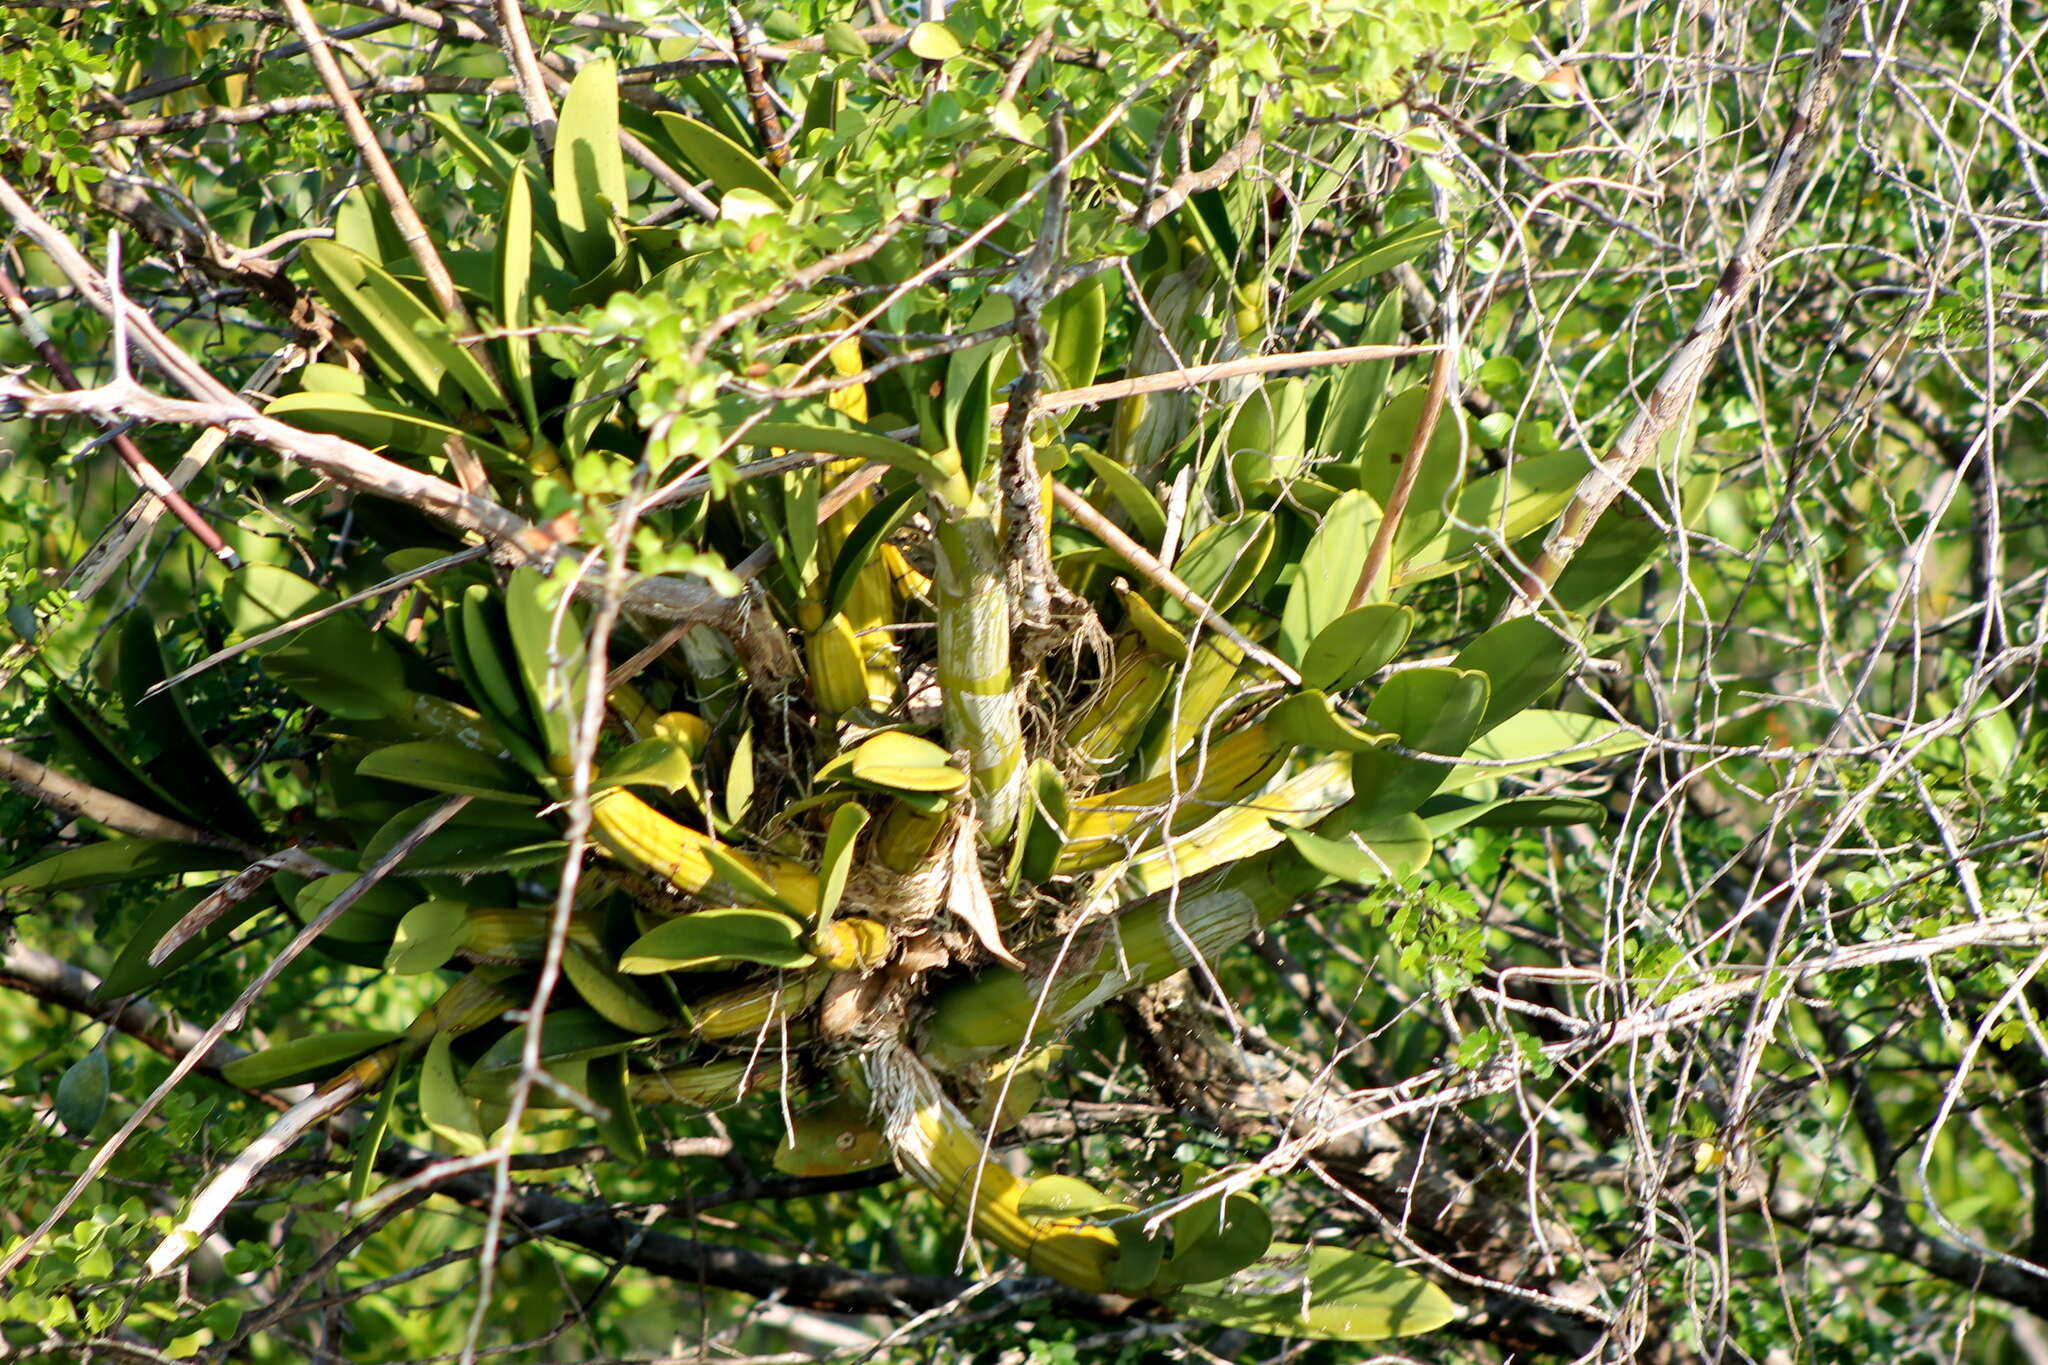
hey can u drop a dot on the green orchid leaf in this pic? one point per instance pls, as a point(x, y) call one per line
point(304, 1061)
point(716, 938)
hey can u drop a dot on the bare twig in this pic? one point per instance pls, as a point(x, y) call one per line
point(146, 474)
point(1672, 397)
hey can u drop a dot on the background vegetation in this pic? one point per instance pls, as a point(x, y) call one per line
point(1649, 964)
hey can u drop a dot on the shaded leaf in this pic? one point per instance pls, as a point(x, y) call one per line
point(440, 766)
point(443, 1106)
point(1523, 658)
point(81, 1098)
point(408, 340)
point(304, 1061)
point(611, 995)
point(619, 1122)
point(431, 933)
point(117, 860)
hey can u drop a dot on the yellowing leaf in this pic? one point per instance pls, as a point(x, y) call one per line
point(934, 42)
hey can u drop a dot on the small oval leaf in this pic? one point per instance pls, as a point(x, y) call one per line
point(81, 1099)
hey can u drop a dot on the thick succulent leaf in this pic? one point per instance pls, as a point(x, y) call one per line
point(371, 1137)
point(443, 767)
point(1349, 1297)
point(714, 938)
point(1309, 718)
point(480, 647)
point(1160, 636)
point(1356, 645)
point(837, 860)
point(132, 970)
point(1495, 510)
point(408, 340)
point(1542, 739)
point(1064, 1196)
point(610, 994)
point(363, 933)
point(1328, 573)
point(966, 410)
point(487, 158)
point(1221, 564)
point(739, 778)
point(493, 837)
point(835, 1138)
point(514, 279)
point(338, 664)
point(569, 1034)
point(1268, 437)
point(1043, 834)
point(117, 860)
point(897, 762)
point(1384, 450)
point(1391, 849)
point(1623, 545)
point(431, 933)
point(589, 169)
point(364, 225)
point(1146, 516)
point(1523, 658)
point(1528, 812)
point(1216, 1237)
point(1139, 1255)
point(1356, 394)
point(659, 761)
point(549, 647)
point(876, 525)
point(306, 1060)
point(1074, 324)
point(721, 160)
point(1435, 711)
point(443, 1107)
point(849, 441)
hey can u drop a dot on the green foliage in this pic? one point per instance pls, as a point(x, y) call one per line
point(871, 805)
